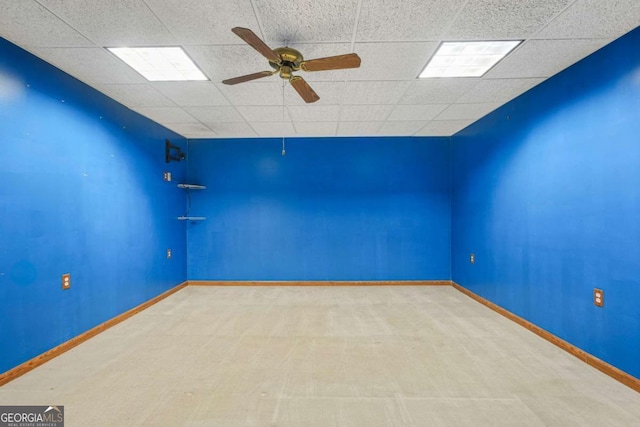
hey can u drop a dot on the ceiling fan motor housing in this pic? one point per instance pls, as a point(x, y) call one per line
point(290, 60)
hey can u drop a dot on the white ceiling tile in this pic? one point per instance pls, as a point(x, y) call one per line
point(314, 113)
point(467, 111)
point(416, 112)
point(330, 93)
point(273, 129)
point(264, 113)
point(594, 19)
point(302, 21)
point(191, 130)
point(229, 130)
point(135, 95)
point(370, 113)
point(252, 93)
point(112, 23)
point(315, 128)
point(224, 62)
point(544, 58)
point(403, 128)
point(437, 90)
point(358, 128)
point(28, 23)
point(503, 19)
point(164, 115)
point(392, 61)
point(406, 20)
point(498, 90)
point(322, 50)
point(192, 94)
point(374, 92)
point(215, 114)
point(205, 21)
point(444, 127)
point(92, 65)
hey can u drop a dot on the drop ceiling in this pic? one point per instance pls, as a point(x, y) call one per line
point(394, 38)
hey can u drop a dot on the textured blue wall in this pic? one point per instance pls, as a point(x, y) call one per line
point(331, 209)
point(546, 193)
point(81, 192)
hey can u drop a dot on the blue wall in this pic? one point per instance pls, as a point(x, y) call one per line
point(546, 193)
point(331, 209)
point(81, 192)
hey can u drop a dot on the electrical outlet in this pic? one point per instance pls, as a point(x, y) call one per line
point(598, 297)
point(66, 281)
point(472, 258)
point(168, 253)
point(167, 176)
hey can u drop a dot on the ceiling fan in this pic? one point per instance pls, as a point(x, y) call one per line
point(286, 60)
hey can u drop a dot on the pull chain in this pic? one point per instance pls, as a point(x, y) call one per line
point(284, 151)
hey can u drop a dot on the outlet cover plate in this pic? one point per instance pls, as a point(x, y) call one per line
point(598, 297)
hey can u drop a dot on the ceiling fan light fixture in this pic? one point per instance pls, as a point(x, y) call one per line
point(467, 59)
point(160, 63)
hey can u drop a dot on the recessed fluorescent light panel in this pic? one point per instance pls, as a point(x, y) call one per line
point(467, 59)
point(160, 63)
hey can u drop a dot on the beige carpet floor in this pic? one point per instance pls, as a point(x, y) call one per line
point(323, 356)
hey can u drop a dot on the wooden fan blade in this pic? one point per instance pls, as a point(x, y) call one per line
point(303, 89)
point(350, 60)
point(255, 42)
point(248, 77)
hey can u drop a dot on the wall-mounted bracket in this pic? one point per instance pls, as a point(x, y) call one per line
point(172, 152)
